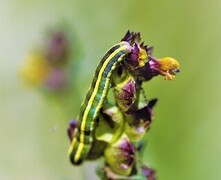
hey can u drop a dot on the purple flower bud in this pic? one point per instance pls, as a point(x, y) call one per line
point(136, 59)
point(149, 173)
point(120, 156)
point(125, 93)
point(56, 80)
point(134, 55)
point(57, 49)
point(72, 129)
point(139, 54)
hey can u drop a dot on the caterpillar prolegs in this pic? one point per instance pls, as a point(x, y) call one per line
point(82, 142)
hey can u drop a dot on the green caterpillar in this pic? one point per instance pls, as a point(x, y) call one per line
point(82, 142)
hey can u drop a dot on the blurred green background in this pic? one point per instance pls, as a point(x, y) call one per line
point(184, 140)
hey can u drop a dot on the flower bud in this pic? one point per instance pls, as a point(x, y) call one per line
point(110, 126)
point(57, 48)
point(72, 129)
point(149, 173)
point(120, 156)
point(136, 59)
point(139, 121)
point(125, 93)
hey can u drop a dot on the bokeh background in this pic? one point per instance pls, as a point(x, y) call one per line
point(184, 140)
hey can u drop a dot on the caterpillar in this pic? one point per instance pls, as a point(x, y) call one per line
point(95, 97)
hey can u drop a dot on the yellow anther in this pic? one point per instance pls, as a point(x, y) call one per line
point(142, 58)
